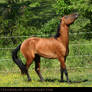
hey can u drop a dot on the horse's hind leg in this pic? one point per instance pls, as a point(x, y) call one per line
point(37, 67)
point(28, 63)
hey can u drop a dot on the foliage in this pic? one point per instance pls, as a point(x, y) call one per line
point(63, 7)
point(30, 17)
point(23, 17)
point(83, 8)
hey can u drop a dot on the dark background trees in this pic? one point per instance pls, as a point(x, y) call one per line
point(41, 17)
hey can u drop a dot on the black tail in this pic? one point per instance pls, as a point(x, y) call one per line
point(17, 60)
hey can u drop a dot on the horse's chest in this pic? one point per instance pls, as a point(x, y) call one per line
point(62, 51)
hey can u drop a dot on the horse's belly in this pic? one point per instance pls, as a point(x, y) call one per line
point(47, 54)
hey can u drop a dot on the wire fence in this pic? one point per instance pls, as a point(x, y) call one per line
point(84, 69)
point(84, 44)
point(45, 35)
point(71, 44)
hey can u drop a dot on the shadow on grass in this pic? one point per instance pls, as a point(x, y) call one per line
point(53, 80)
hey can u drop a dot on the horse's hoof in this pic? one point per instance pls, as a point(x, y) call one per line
point(69, 81)
point(62, 81)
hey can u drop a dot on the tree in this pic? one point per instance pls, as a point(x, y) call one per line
point(83, 7)
point(10, 14)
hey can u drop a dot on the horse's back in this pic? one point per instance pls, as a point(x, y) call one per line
point(45, 47)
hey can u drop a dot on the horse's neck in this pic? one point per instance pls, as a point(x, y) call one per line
point(64, 34)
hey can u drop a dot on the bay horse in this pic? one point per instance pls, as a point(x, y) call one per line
point(53, 48)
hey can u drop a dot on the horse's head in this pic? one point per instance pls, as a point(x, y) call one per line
point(69, 19)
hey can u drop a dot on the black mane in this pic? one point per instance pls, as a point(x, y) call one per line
point(58, 33)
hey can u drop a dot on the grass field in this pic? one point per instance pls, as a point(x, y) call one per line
point(79, 67)
point(13, 78)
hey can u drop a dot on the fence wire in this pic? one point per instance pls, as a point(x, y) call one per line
point(38, 35)
point(71, 44)
point(84, 44)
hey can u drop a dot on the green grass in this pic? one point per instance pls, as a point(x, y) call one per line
point(10, 75)
point(14, 78)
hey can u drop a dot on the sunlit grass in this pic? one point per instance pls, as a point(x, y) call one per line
point(52, 79)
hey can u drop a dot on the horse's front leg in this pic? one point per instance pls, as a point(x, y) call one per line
point(63, 69)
